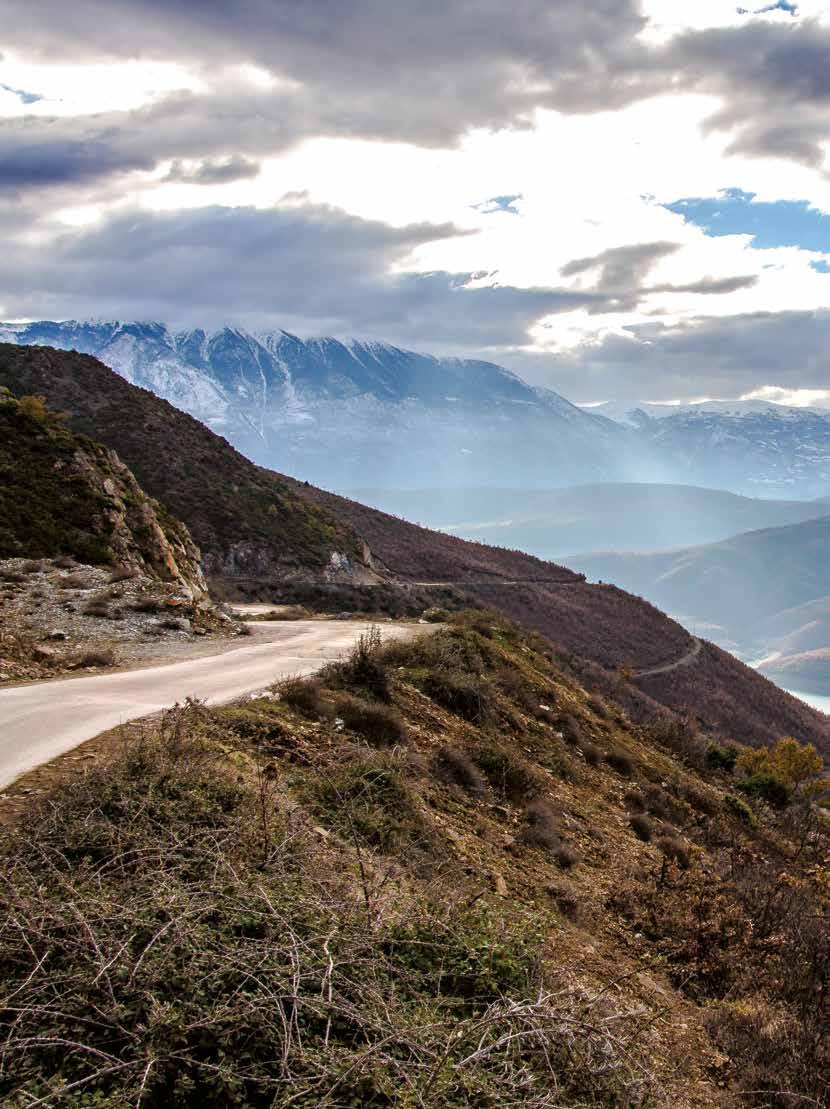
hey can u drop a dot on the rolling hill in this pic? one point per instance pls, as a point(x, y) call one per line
point(554, 523)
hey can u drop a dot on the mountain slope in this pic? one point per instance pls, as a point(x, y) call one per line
point(603, 630)
point(244, 519)
point(518, 897)
point(345, 413)
point(263, 529)
point(554, 523)
point(64, 494)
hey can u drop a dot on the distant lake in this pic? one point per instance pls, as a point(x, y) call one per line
point(815, 699)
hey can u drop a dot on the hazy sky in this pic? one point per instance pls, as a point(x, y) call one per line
point(617, 198)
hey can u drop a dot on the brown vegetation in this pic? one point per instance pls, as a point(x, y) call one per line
point(259, 906)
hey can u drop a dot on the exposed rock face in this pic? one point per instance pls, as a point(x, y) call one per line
point(64, 494)
point(140, 533)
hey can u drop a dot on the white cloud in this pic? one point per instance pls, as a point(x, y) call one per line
point(71, 90)
point(792, 398)
point(589, 181)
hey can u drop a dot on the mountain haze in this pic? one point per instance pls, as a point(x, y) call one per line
point(555, 523)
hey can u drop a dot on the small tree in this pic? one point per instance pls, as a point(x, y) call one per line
point(797, 765)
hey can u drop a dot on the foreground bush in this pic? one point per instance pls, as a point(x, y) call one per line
point(172, 934)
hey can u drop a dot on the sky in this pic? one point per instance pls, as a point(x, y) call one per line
point(621, 200)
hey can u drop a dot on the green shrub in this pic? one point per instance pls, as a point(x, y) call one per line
point(642, 827)
point(590, 752)
point(364, 669)
point(634, 801)
point(466, 695)
point(540, 828)
point(721, 758)
point(565, 856)
point(620, 760)
point(99, 609)
point(570, 728)
point(147, 604)
point(675, 849)
point(767, 787)
point(369, 799)
point(739, 808)
point(455, 766)
point(98, 656)
point(470, 965)
point(508, 774)
point(305, 695)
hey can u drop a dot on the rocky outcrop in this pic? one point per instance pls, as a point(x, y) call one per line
point(64, 494)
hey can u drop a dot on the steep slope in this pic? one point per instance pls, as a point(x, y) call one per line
point(261, 530)
point(439, 875)
point(347, 413)
point(64, 494)
point(554, 523)
point(614, 631)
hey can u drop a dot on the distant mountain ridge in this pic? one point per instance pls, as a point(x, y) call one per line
point(364, 413)
point(753, 447)
point(556, 523)
point(341, 412)
point(764, 592)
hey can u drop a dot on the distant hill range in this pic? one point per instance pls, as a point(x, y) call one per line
point(356, 414)
point(765, 593)
point(555, 523)
point(260, 531)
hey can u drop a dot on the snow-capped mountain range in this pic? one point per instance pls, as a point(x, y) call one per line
point(353, 413)
point(344, 413)
point(751, 446)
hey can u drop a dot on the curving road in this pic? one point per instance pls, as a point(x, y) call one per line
point(44, 719)
point(689, 657)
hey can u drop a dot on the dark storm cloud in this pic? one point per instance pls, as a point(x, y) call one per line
point(709, 286)
point(774, 81)
point(622, 267)
point(27, 161)
point(312, 268)
point(218, 172)
point(620, 274)
point(376, 68)
point(425, 73)
point(706, 356)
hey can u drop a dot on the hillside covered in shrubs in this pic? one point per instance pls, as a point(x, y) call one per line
point(439, 873)
point(65, 495)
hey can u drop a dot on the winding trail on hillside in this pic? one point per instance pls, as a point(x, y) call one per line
point(688, 658)
point(42, 720)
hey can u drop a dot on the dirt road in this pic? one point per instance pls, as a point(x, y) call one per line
point(688, 658)
point(44, 719)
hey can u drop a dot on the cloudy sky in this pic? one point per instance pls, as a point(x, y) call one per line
point(620, 199)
